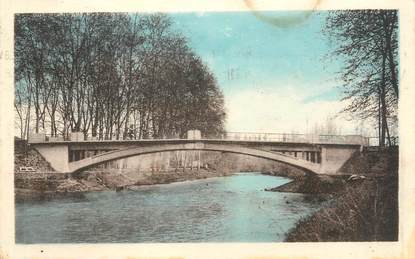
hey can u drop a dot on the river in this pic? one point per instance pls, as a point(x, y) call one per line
point(224, 209)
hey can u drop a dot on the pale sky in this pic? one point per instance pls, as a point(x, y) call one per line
point(274, 79)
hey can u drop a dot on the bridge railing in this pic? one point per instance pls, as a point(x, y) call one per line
point(79, 136)
point(374, 141)
point(296, 138)
point(237, 136)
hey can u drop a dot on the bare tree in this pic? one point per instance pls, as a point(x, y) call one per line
point(367, 42)
point(111, 76)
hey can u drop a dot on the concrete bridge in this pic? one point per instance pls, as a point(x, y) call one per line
point(319, 154)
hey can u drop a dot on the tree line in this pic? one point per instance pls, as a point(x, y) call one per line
point(111, 76)
point(367, 42)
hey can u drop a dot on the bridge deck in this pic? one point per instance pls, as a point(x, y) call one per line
point(228, 137)
point(315, 155)
point(178, 140)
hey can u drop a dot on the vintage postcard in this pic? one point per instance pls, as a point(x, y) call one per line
point(245, 129)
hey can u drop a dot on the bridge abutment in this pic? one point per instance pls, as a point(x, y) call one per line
point(334, 157)
point(57, 155)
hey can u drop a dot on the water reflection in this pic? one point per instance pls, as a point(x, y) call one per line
point(226, 209)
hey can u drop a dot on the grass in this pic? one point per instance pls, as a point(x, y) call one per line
point(365, 210)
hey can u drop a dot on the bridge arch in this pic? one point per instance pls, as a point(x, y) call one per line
point(134, 151)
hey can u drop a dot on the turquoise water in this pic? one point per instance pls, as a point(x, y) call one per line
point(223, 209)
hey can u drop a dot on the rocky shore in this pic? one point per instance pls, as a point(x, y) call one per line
point(34, 186)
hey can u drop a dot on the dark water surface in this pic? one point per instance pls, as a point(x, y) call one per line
point(224, 209)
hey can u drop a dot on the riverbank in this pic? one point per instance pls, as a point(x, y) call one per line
point(361, 210)
point(312, 184)
point(33, 186)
